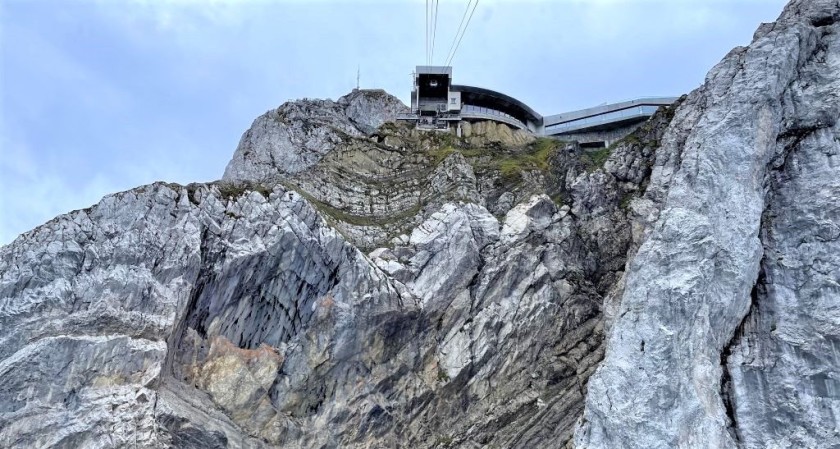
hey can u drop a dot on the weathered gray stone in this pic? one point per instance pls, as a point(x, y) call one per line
point(298, 134)
point(498, 269)
point(725, 330)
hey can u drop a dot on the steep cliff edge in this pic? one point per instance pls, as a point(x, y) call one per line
point(726, 332)
point(354, 283)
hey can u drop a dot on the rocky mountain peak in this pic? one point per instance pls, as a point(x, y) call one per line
point(299, 133)
point(357, 283)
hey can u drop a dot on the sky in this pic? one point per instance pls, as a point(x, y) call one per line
point(100, 96)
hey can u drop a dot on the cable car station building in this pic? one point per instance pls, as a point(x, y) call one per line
point(437, 104)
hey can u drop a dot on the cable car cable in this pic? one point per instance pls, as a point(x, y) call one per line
point(434, 32)
point(458, 32)
point(462, 34)
point(427, 31)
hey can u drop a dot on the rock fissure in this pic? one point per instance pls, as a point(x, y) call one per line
point(727, 395)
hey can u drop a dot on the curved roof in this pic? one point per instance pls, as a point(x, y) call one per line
point(607, 108)
point(487, 98)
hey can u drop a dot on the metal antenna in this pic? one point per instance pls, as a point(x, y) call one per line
point(358, 75)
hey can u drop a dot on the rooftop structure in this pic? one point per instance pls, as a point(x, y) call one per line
point(486, 104)
point(437, 104)
point(603, 124)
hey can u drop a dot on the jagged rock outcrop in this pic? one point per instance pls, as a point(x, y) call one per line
point(725, 332)
point(353, 283)
point(108, 311)
point(298, 134)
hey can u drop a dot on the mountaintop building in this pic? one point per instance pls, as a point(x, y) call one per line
point(437, 104)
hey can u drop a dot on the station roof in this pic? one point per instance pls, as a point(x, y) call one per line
point(434, 70)
point(607, 108)
point(487, 98)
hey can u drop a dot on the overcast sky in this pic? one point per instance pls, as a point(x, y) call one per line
point(102, 96)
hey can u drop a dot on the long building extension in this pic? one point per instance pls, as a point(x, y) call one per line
point(438, 104)
point(603, 124)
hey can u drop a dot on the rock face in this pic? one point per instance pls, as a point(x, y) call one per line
point(727, 328)
point(353, 283)
point(245, 315)
point(103, 311)
point(298, 134)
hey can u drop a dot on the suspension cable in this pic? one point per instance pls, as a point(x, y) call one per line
point(449, 60)
point(427, 32)
point(458, 32)
point(434, 33)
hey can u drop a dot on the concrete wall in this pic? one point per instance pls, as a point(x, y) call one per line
point(608, 137)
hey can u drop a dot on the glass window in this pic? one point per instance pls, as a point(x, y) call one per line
point(640, 111)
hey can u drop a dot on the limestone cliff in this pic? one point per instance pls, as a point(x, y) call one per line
point(297, 135)
point(355, 283)
point(726, 331)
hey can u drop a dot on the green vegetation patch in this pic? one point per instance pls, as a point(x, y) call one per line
point(233, 190)
point(511, 169)
point(443, 376)
point(543, 148)
point(509, 162)
point(440, 153)
point(595, 159)
point(535, 157)
point(625, 201)
point(630, 139)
